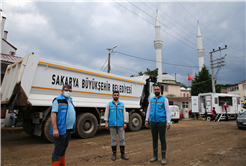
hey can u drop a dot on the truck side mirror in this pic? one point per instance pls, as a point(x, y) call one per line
point(162, 89)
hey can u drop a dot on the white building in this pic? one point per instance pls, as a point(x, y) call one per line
point(7, 57)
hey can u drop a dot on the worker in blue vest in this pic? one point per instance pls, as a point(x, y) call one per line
point(160, 119)
point(116, 122)
point(63, 120)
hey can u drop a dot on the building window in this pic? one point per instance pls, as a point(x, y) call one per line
point(233, 88)
point(244, 86)
point(185, 104)
point(165, 88)
point(216, 100)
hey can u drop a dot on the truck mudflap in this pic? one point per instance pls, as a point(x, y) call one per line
point(18, 99)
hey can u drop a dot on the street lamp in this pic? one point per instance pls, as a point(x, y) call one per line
point(109, 52)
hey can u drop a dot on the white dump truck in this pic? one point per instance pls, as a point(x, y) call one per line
point(204, 103)
point(31, 84)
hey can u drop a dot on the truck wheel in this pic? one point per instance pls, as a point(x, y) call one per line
point(176, 121)
point(28, 126)
point(135, 122)
point(86, 125)
point(46, 130)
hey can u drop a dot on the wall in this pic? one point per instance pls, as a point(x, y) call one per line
point(172, 90)
point(240, 91)
point(6, 48)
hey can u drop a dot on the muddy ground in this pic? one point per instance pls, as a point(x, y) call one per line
point(191, 142)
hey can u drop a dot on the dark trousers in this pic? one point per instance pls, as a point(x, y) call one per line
point(158, 128)
point(61, 144)
point(14, 119)
point(213, 117)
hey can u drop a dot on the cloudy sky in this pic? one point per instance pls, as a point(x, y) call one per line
point(79, 32)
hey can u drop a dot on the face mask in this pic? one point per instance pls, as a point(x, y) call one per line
point(66, 93)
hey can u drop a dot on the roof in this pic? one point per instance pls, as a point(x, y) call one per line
point(10, 57)
point(223, 91)
point(244, 81)
point(241, 82)
point(9, 44)
point(167, 83)
point(166, 76)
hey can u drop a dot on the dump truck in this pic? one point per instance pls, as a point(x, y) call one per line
point(31, 84)
point(204, 103)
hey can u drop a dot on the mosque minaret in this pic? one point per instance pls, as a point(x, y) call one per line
point(158, 45)
point(200, 51)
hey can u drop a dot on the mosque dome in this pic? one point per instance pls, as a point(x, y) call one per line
point(168, 78)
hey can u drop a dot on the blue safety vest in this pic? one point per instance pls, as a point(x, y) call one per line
point(61, 116)
point(157, 111)
point(116, 114)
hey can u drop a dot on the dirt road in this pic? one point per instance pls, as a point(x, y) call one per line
point(189, 143)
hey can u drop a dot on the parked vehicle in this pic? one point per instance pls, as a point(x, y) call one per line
point(32, 83)
point(175, 115)
point(244, 106)
point(241, 121)
point(204, 102)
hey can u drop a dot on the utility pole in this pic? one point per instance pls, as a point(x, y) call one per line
point(220, 61)
point(109, 53)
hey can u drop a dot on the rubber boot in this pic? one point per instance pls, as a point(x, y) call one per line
point(163, 161)
point(62, 160)
point(122, 150)
point(114, 153)
point(155, 156)
point(56, 163)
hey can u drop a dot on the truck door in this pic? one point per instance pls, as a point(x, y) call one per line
point(234, 105)
point(202, 104)
point(194, 104)
point(208, 104)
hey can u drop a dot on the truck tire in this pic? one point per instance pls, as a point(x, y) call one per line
point(135, 122)
point(46, 129)
point(28, 127)
point(86, 125)
point(176, 120)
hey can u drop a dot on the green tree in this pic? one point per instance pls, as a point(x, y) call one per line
point(148, 72)
point(218, 88)
point(202, 82)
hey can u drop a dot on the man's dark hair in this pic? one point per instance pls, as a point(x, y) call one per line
point(66, 86)
point(116, 92)
point(156, 84)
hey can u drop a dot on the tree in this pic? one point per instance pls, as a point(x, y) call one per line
point(148, 72)
point(218, 88)
point(202, 82)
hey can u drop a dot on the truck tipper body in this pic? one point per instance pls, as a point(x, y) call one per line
point(31, 84)
point(204, 103)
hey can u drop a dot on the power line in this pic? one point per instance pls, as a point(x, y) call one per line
point(124, 68)
point(201, 82)
point(167, 20)
point(203, 26)
point(161, 23)
point(153, 24)
point(104, 64)
point(181, 25)
point(155, 60)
